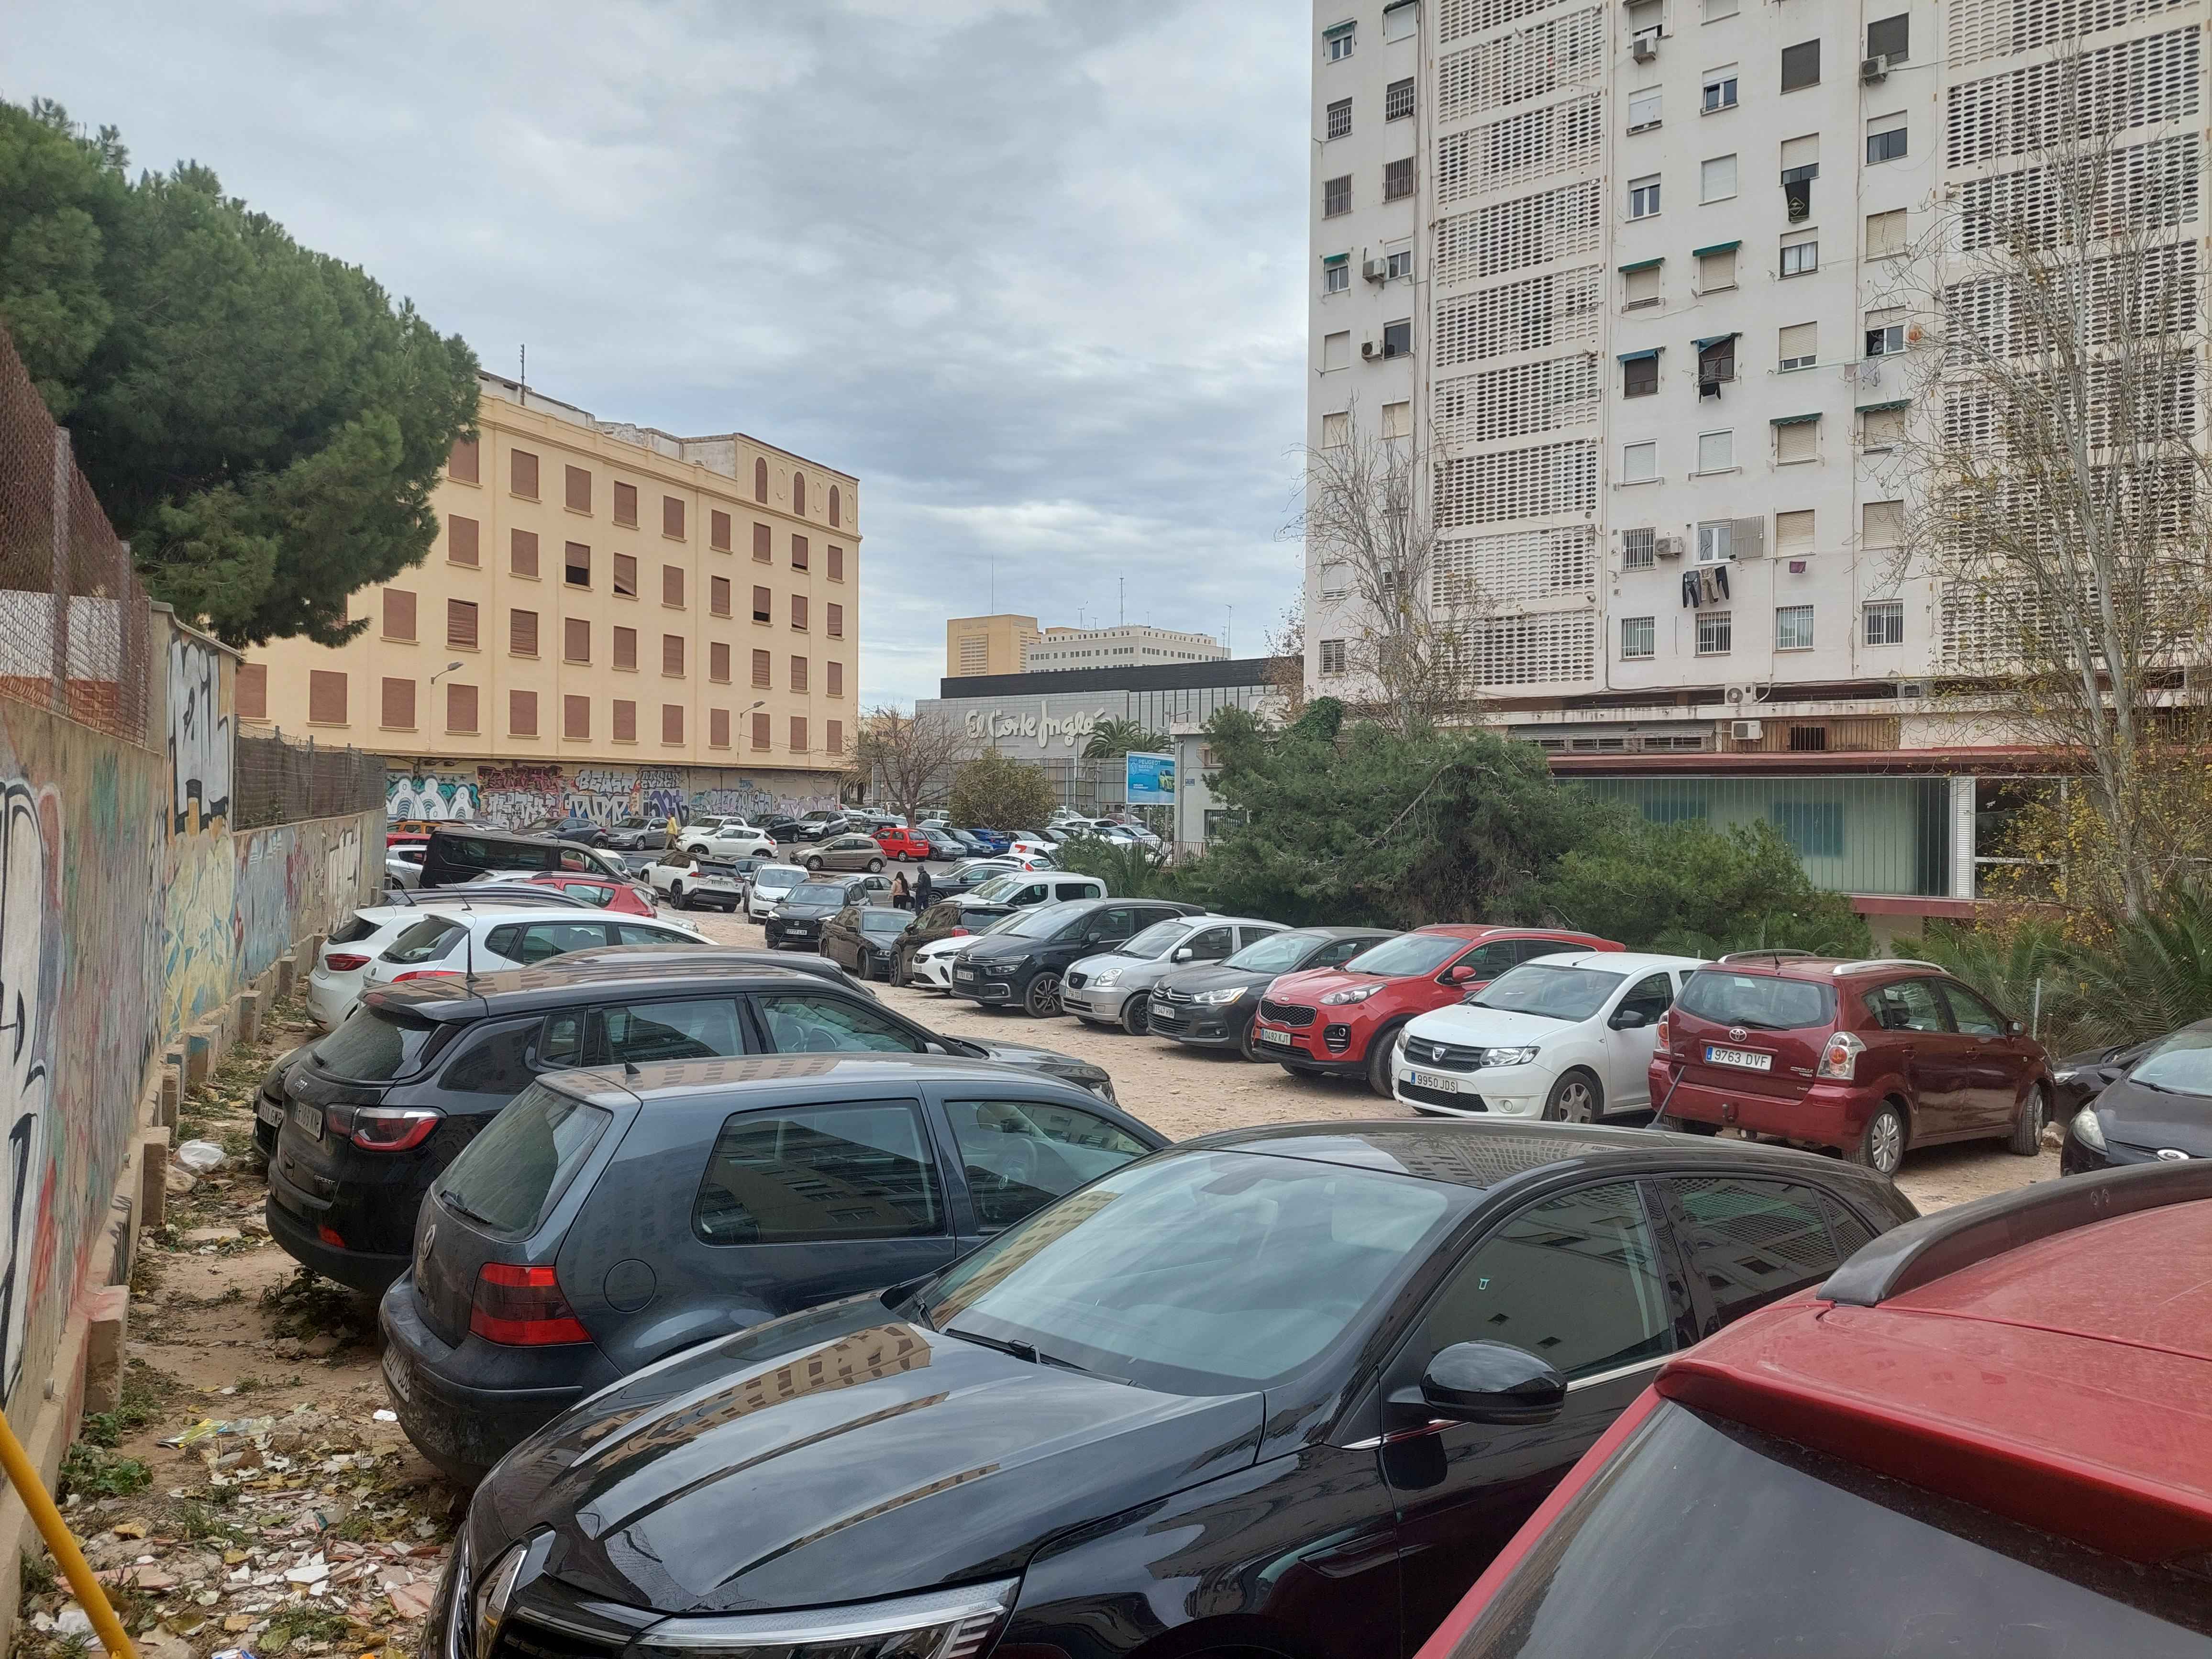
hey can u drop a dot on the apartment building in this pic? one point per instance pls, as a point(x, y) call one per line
point(611, 617)
point(1639, 281)
point(1010, 644)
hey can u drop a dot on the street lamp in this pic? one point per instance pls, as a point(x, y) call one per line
point(450, 667)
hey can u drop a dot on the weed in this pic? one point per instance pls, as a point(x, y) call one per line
point(191, 1517)
point(308, 1304)
point(96, 1473)
point(144, 1390)
point(76, 1646)
point(301, 1624)
point(39, 1576)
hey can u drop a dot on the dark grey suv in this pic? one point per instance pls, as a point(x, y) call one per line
point(609, 1217)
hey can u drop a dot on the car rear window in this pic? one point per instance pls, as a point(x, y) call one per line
point(373, 1047)
point(1822, 1558)
point(1766, 1001)
point(509, 1176)
point(354, 931)
point(428, 940)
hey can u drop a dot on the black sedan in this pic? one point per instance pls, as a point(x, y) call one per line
point(799, 919)
point(1019, 965)
point(1280, 1391)
point(863, 938)
point(2077, 1079)
point(2158, 1109)
point(1209, 1005)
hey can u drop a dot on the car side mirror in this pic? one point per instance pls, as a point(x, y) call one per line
point(1182, 953)
point(2014, 1028)
point(1459, 973)
point(1490, 1383)
point(1628, 1019)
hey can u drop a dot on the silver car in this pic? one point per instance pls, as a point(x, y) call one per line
point(840, 853)
point(1115, 987)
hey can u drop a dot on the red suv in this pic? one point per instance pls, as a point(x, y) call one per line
point(1345, 1021)
point(1866, 1057)
point(1988, 1433)
point(901, 842)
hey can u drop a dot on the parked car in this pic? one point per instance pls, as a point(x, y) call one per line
point(473, 943)
point(1033, 843)
point(1020, 966)
point(1345, 1022)
point(853, 852)
point(545, 1269)
point(898, 841)
point(2077, 1079)
point(1115, 988)
point(409, 829)
point(378, 1106)
point(771, 884)
point(1267, 1392)
point(863, 937)
point(784, 830)
point(992, 840)
point(636, 835)
point(1870, 1058)
point(1565, 1037)
point(728, 840)
point(456, 856)
point(586, 832)
point(1926, 1415)
point(930, 966)
point(402, 865)
point(1212, 1004)
point(942, 845)
point(691, 879)
point(799, 919)
point(623, 897)
point(963, 912)
point(967, 876)
point(336, 980)
point(2159, 1109)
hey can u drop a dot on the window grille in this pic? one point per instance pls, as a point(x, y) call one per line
point(1530, 564)
point(1456, 20)
point(1558, 52)
point(1533, 315)
point(1638, 548)
point(1517, 484)
point(1548, 647)
point(1517, 234)
point(1518, 148)
point(2151, 185)
point(1982, 29)
point(1517, 402)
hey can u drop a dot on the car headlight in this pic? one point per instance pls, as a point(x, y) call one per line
point(1507, 1056)
point(1213, 998)
point(489, 1597)
point(1111, 976)
point(1351, 994)
point(2087, 1130)
point(956, 1624)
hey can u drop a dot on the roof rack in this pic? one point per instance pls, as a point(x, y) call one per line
point(1935, 1245)
point(1866, 963)
point(498, 892)
point(1778, 955)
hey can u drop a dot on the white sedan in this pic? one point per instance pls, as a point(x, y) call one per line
point(1567, 1037)
point(452, 945)
point(727, 841)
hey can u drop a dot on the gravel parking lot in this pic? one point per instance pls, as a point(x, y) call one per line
point(1185, 1091)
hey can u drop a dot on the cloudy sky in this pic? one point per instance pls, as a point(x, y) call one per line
point(1030, 268)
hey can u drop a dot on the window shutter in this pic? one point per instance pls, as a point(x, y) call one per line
point(398, 614)
point(626, 575)
point(718, 531)
point(672, 584)
point(461, 707)
point(462, 461)
point(717, 595)
point(798, 734)
point(671, 515)
point(798, 612)
point(1879, 428)
point(836, 563)
point(718, 662)
point(522, 713)
point(576, 718)
point(1882, 525)
point(522, 474)
point(522, 552)
point(461, 623)
point(760, 604)
point(625, 720)
point(578, 482)
point(1793, 531)
point(835, 672)
point(1801, 65)
point(399, 705)
point(1800, 340)
point(836, 622)
point(1642, 288)
point(717, 728)
point(798, 673)
point(576, 639)
point(671, 722)
point(1885, 234)
point(836, 508)
point(626, 647)
point(763, 666)
point(461, 540)
point(522, 633)
point(252, 691)
point(576, 565)
point(671, 655)
point(833, 739)
point(760, 731)
point(1798, 441)
point(761, 550)
point(799, 552)
point(626, 505)
point(1748, 540)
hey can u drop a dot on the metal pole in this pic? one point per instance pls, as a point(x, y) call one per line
point(2035, 1014)
point(56, 1532)
point(63, 469)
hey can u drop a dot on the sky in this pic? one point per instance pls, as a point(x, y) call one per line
point(1030, 269)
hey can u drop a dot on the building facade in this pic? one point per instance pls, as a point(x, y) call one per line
point(613, 620)
point(987, 645)
point(1008, 644)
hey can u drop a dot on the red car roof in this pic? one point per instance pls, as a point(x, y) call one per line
point(2066, 1383)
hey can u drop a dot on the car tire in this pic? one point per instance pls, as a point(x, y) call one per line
point(676, 896)
point(1248, 1041)
point(900, 978)
point(815, 863)
point(1380, 1053)
point(1576, 1098)
point(875, 866)
point(2026, 1139)
point(1041, 996)
point(1881, 1143)
point(1137, 1014)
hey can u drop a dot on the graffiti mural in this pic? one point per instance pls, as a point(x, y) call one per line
point(295, 880)
point(199, 734)
point(436, 797)
point(28, 902)
point(516, 795)
point(197, 951)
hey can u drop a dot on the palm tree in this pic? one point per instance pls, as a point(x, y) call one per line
point(1115, 737)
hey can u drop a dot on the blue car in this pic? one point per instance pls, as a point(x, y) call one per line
point(995, 841)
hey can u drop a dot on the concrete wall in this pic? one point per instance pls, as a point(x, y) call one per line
point(521, 792)
point(293, 880)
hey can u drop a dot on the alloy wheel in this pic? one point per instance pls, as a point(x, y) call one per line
point(1042, 1000)
point(1885, 1142)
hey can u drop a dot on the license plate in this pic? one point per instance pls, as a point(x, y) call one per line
point(307, 1120)
point(1742, 1057)
point(1431, 1080)
point(270, 1112)
point(965, 975)
point(396, 1376)
point(1280, 1039)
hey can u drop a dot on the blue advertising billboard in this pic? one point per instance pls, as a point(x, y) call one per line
point(1151, 779)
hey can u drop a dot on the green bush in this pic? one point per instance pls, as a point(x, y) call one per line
point(994, 792)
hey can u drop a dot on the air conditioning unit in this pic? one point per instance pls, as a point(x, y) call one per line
point(1376, 270)
point(1370, 348)
point(1645, 47)
point(1747, 731)
point(1914, 689)
point(1666, 547)
point(1874, 68)
point(1743, 695)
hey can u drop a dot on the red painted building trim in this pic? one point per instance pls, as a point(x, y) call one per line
point(1988, 758)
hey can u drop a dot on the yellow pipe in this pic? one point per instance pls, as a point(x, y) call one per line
point(56, 1532)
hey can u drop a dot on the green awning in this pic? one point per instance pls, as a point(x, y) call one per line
point(1883, 408)
point(1717, 247)
point(1792, 420)
point(1638, 356)
point(1641, 264)
point(1714, 340)
point(1334, 258)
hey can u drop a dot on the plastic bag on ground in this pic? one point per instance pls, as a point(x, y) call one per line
point(202, 1157)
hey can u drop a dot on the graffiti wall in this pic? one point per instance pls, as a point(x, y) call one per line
point(522, 793)
point(295, 880)
point(199, 874)
point(437, 796)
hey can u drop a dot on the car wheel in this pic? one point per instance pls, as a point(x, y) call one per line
point(814, 863)
point(1041, 1000)
point(1380, 1055)
point(875, 865)
point(2027, 1133)
point(1881, 1143)
point(676, 896)
point(1137, 1014)
point(1576, 1098)
point(1248, 1041)
point(900, 977)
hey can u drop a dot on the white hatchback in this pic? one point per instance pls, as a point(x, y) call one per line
point(772, 884)
point(334, 984)
point(1567, 1037)
point(933, 963)
point(450, 944)
point(728, 840)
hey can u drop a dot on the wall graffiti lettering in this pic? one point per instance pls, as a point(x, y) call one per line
point(199, 734)
point(27, 997)
point(436, 798)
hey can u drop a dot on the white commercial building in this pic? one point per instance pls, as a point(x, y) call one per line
point(1131, 645)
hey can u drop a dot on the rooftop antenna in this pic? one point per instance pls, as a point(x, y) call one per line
point(1121, 585)
point(523, 381)
point(1231, 641)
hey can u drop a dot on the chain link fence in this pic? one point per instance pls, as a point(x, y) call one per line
point(76, 631)
point(276, 780)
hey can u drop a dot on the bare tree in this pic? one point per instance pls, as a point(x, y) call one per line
point(2062, 498)
point(1366, 521)
point(1286, 659)
point(908, 759)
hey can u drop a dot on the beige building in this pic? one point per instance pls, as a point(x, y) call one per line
point(987, 645)
point(612, 619)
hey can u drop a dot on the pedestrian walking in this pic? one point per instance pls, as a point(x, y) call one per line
point(901, 895)
point(922, 889)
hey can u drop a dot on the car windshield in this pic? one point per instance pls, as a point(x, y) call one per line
point(1554, 992)
point(1766, 1000)
point(1041, 923)
point(1156, 941)
point(1409, 953)
point(1198, 1272)
point(819, 892)
point(2182, 1064)
point(877, 920)
point(509, 1176)
point(1278, 953)
point(372, 1047)
point(778, 875)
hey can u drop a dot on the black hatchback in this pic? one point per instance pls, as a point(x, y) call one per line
point(2157, 1109)
point(374, 1110)
point(1019, 965)
point(610, 1218)
point(1209, 1005)
point(1280, 1391)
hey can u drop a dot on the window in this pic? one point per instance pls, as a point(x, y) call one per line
point(1332, 656)
point(1398, 420)
point(1793, 628)
point(1885, 622)
point(760, 480)
point(1716, 363)
point(1637, 548)
point(576, 565)
point(522, 633)
point(522, 713)
point(1882, 428)
point(461, 623)
point(1575, 1279)
point(761, 604)
point(1801, 257)
point(1885, 331)
point(1717, 9)
point(718, 662)
point(1400, 20)
point(625, 506)
point(1885, 138)
point(764, 553)
point(1793, 531)
point(1881, 523)
point(1716, 179)
point(672, 723)
point(1751, 1241)
point(1019, 1154)
point(625, 720)
point(671, 516)
point(1885, 234)
point(718, 596)
point(717, 728)
point(760, 731)
point(626, 648)
point(1336, 351)
point(1720, 90)
point(522, 474)
point(1398, 338)
point(836, 507)
point(1336, 43)
point(1641, 286)
point(718, 531)
point(763, 664)
point(1335, 274)
point(798, 734)
point(1643, 109)
point(799, 494)
point(1972, 1015)
point(1639, 375)
point(1715, 451)
point(253, 690)
point(671, 655)
point(798, 613)
point(462, 459)
point(326, 697)
point(398, 614)
point(1799, 345)
point(1639, 463)
point(461, 541)
point(1639, 637)
point(461, 707)
point(398, 710)
point(1907, 1005)
point(522, 554)
point(1339, 120)
point(1397, 262)
point(835, 742)
point(1801, 65)
point(836, 674)
point(836, 571)
point(1644, 196)
point(1398, 100)
point(1797, 441)
point(1716, 271)
point(625, 576)
point(576, 718)
point(1336, 429)
point(1890, 37)
point(671, 586)
point(1397, 180)
point(820, 1174)
point(576, 483)
point(1716, 541)
point(1336, 197)
point(798, 673)
point(799, 553)
point(1716, 631)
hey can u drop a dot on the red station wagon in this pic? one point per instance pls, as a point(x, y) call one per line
point(1866, 1057)
point(901, 842)
point(1987, 1435)
point(1345, 1021)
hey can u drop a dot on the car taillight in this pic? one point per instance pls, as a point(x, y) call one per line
point(960, 932)
point(1840, 1059)
point(385, 1128)
point(343, 962)
point(426, 973)
point(1662, 1039)
point(523, 1308)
